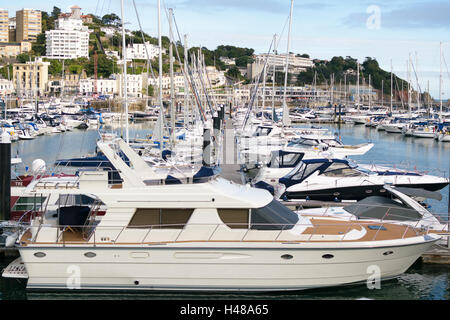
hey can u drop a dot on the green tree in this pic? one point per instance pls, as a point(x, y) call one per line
point(243, 61)
point(234, 73)
point(23, 57)
point(105, 66)
point(151, 90)
point(112, 19)
point(55, 67)
point(4, 71)
point(75, 69)
point(55, 13)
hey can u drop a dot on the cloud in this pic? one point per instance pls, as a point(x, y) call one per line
point(420, 15)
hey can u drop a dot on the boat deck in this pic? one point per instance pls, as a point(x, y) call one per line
point(378, 231)
point(323, 230)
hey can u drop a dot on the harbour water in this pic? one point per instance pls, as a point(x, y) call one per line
point(420, 282)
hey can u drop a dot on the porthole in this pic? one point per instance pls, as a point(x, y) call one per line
point(368, 191)
point(136, 282)
point(336, 194)
point(328, 256)
point(39, 254)
point(286, 257)
point(387, 253)
point(89, 254)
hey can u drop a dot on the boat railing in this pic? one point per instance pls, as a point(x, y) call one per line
point(236, 232)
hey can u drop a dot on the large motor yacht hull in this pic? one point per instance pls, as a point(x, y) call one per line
point(222, 267)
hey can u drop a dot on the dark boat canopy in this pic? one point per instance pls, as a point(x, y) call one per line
point(305, 168)
point(377, 207)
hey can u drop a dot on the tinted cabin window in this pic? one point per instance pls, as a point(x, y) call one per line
point(145, 218)
point(274, 216)
point(234, 218)
point(160, 218)
point(341, 170)
point(175, 218)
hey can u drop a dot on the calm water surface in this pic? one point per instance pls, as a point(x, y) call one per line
point(420, 282)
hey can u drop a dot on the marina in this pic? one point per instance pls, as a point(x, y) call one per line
point(221, 190)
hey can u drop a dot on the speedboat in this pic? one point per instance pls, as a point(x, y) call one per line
point(340, 179)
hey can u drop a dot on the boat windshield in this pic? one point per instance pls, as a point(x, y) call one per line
point(339, 169)
point(262, 131)
point(288, 160)
point(332, 142)
point(274, 216)
point(303, 170)
point(303, 142)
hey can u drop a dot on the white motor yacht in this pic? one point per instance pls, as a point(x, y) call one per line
point(209, 235)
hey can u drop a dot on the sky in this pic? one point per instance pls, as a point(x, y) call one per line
point(387, 30)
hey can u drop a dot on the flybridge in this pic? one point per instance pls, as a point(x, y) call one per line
point(119, 167)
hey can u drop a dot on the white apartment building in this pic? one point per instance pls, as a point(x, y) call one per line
point(113, 86)
point(134, 85)
point(279, 61)
point(109, 31)
point(216, 78)
point(112, 54)
point(137, 51)
point(6, 87)
point(296, 64)
point(70, 39)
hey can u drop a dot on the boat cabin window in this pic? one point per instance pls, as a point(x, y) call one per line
point(166, 218)
point(274, 216)
point(234, 218)
point(341, 170)
point(28, 203)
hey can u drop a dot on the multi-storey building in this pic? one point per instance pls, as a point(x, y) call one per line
point(28, 25)
point(6, 87)
point(296, 64)
point(8, 49)
point(138, 51)
point(30, 78)
point(113, 86)
point(4, 25)
point(70, 39)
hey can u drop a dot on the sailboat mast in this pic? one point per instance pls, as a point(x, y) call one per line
point(273, 77)
point(409, 85)
point(186, 85)
point(125, 88)
point(161, 106)
point(172, 91)
point(285, 108)
point(440, 80)
point(357, 86)
point(391, 87)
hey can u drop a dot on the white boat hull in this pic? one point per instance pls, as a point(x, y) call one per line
point(229, 267)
